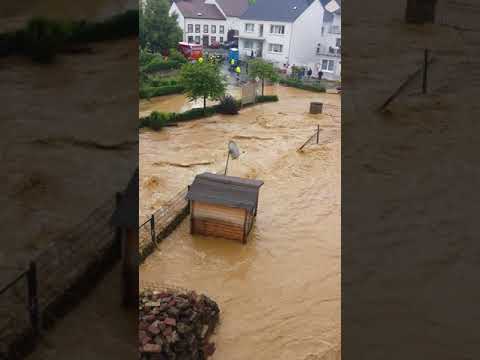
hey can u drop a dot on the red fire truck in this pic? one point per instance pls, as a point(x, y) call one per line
point(191, 51)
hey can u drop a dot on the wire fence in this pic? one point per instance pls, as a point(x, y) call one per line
point(28, 296)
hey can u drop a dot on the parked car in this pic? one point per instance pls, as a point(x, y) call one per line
point(230, 44)
point(215, 45)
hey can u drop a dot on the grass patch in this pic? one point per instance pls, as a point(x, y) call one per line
point(301, 85)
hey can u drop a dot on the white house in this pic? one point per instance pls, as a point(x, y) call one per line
point(282, 31)
point(328, 50)
point(207, 21)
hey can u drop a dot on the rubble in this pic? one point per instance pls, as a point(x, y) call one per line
point(176, 326)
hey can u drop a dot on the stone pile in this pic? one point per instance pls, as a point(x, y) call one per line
point(176, 326)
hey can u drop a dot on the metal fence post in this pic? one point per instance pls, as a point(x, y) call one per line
point(33, 297)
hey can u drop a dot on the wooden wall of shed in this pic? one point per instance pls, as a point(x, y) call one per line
point(218, 221)
point(234, 216)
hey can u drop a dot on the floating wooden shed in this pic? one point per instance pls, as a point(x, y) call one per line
point(223, 206)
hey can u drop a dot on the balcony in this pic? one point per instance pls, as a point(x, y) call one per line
point(328, 51)
point(335, 29)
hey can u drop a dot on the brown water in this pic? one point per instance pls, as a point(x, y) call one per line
point(280, 293)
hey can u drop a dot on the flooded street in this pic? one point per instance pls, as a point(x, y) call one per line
point(279, 294)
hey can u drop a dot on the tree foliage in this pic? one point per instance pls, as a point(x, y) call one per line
point(159, 31)
point(202, 80)
point(263, 70)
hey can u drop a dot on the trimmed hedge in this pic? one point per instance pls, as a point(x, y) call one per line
point(147, 92)
point(267, 98)
point(157, 64)
point(300, 85)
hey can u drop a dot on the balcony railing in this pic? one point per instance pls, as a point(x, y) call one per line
point(328, 50)
point(335, 30)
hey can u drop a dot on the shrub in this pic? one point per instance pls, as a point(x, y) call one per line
point(158, 64)
point(228, 105)
point(177, 57)
point(267, 98)
point(158, 120)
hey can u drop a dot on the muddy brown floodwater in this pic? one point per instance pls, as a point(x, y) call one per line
point(280, 293)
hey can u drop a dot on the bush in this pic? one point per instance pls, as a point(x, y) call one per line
point(157, 120)
point(228, 105)
point(158, 64)
point(267, 98)
point(177, 57)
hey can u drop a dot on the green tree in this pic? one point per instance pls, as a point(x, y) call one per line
point(202, 80)
point(263, 70)
point(158, 30)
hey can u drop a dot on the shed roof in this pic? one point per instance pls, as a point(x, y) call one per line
point(225, 190)
point(192, 8)
point(282, 10)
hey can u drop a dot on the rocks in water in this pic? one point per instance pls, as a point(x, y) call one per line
point(176, 326)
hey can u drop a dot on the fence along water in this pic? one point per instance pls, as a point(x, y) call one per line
point(31, 295)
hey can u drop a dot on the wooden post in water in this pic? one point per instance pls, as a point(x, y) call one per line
point(33, 297)
point(425, 71)
point(152, 229)
point(318, 134)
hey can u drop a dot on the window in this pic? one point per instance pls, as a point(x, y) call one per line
point(197, 39)
point(277, 48)
point(205, 28)
point(214, 29)
point(339, 42)
point(222, 29)
point(328, 65)
point(221, 39)
point(248, 44)
point(190, 28)
point(197, 28)
point(214, 39)
point(277, 29)
point(249, 27)
point(190, 39)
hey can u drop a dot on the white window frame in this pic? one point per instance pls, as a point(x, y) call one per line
point(246, 43)
point(221, 29)
point(328, 62)
point(221, 39)
point(247, 25)
point(190, 28)
point(271, 48)
point(205, 29)
point(213, 29)
point(198, 39)
point(198, 29)
point(277, 27)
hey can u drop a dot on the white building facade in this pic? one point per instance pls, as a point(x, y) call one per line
point(328, 50)
point(283, 39)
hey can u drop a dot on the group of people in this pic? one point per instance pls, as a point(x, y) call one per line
point(301, 72)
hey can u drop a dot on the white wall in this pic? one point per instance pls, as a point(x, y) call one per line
point(330, 39)
point(208, 22)
point(282, 39)
point(181, 20)
point(306, 35)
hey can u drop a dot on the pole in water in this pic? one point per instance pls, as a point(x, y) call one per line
point(226, 166)
point(318, 134)
point(425, 71)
